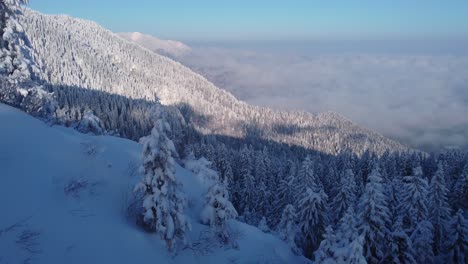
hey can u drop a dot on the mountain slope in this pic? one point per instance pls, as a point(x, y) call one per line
point(170, 48)
point(89, 56)
point(73, 211)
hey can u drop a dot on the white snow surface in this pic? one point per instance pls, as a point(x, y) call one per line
point(66, 192)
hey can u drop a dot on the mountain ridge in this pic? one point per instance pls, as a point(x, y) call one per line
point(112, 64)
point(171, 48)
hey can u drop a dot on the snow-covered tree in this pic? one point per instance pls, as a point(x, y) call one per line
point(18, 85)
point(422, 240)
point(285, 192)
point(460, 190)
point(313, 219)
point(356, 251)
point(457, 239)
point(327, 249)
point(90, 124)
point(414, 198)
point(439, 209)
point(306, 177)
point(12, 60)
point(400, 246)
point(247, 187)
point(344, 245)
point(287, 227)
point(218, 210)
point(374, 215)
point(163, 202)
point(346, 195)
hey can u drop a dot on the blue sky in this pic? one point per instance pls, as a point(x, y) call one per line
point(272, 20)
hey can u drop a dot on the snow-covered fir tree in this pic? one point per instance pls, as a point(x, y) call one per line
point(346, 195)
point(312, 218)
point(163, 202)
point(326, 251)
point(306, 177)
point(13, 63)
point(374, 217)
point(460, 190)
point(287, 227)
point(439, 209)
point(19, 86)
point(345, 245)
point(285, 192)
point(400, 248)
point(414, 198)
point(422, 240)
point(247, 189)
point(457, 239)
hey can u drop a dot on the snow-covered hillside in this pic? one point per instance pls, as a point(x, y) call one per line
point(80, 53)
point(64, 197)
point(170, 48)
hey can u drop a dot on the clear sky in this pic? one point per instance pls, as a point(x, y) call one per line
point(219, 20)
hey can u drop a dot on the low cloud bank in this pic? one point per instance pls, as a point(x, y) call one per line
point(421, 100)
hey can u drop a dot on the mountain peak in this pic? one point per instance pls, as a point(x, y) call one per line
point(169, 48)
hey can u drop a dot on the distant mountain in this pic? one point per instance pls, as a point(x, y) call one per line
point(169, 48)
point(80, 53)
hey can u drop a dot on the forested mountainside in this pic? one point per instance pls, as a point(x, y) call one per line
point(80, 53)
point(336, 193)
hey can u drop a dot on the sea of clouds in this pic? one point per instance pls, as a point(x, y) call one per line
point(418, 98)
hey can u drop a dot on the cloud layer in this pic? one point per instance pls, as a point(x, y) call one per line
point(421, 100)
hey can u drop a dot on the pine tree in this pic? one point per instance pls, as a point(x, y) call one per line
point(313, 219)
point(284, 196)
point(356, 251)
point(414, 197)
point(460, 190)
point(457, 239)
point(439, 208)
point(287, 227)
point(163, 201)
point(400, 247)
point(344, 245)
point(218, 210)
point(374, 215)
point(18, 84)
point(247, 188)
point(327, 249)
point(13, 63)
point(422, 240)
point(346, 195)
point(306, 177)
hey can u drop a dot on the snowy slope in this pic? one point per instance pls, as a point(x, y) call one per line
point(47, 219)
point(171, 48)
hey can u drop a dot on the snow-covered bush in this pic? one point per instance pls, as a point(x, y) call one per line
point(90, 124)
point(218, 210)
point(263, 225)
point(202, 169)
